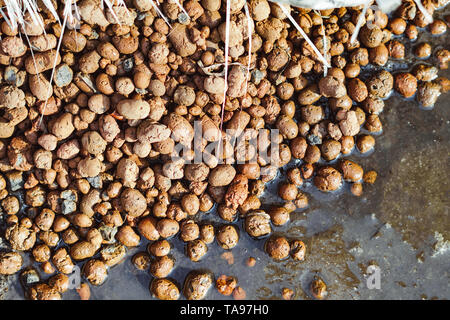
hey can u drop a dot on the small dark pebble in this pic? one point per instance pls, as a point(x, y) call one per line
point(313, 139)
point(128, 64)
point(10, 74)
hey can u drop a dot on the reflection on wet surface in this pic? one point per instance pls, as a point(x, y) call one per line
point(420, 183)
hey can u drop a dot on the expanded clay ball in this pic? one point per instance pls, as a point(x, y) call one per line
point(397, 26)
point(259, 9)
point(277, 248)
point(422, 50)
point(227, 236)
point(328, 179)
point(157, 88)
point(405, 84)
point(428, 93)
point(371, 37)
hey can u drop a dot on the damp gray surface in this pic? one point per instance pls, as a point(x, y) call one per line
point(400, 224)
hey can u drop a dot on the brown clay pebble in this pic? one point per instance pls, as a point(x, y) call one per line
point(239, 293)
point(207, 233)
point(60, 282)
point(356, 189)
point(226, 284)
point(351, 170)
point(298, 250)
point(365, 143)
point(277, 248)
point(428, 93)
point(287, 191)
point(47, 267)
point(423, 50)
point(164, 289)
point(141, 261)
point(301, 201)
point(42, 291)
point(397, 26)
point(196, 249)
point(197, 285)
point(328, 179)
point(307, 170)
point(370, 177)
point(159, 248)
point(227, 236)
point(318, 288)
point(405, 84)
point(10, 262)
point(95, 271)
point(437, 27)
point(228, 257)
point(250, 262)
point(103, 160)
point(287, 293)
point(84, 291)
point(161, 267)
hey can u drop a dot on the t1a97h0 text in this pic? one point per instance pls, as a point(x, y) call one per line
point(227, 309)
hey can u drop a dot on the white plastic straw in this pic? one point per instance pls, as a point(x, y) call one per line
point(426, 14)
point(67, 15)
point(160, 13)
point(359, 23)
point(227, 42)
point(305, 36)
point(325, 45)
point(250, 31)
point(182, 9)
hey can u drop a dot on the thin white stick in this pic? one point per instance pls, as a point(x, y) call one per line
point(34, 61)
point(250, 31)
point(227, 45)
point(426, 14)
point(325, 45)
point(51, 8)
point(6, 19)
point(16, 10)
point(181, 7)
point(160, 13)
point(14, 13)
point(30, 6)
point(67, 14)
point(359, 23)
point(121, 3)
point(110, 6)
point(285, 11)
